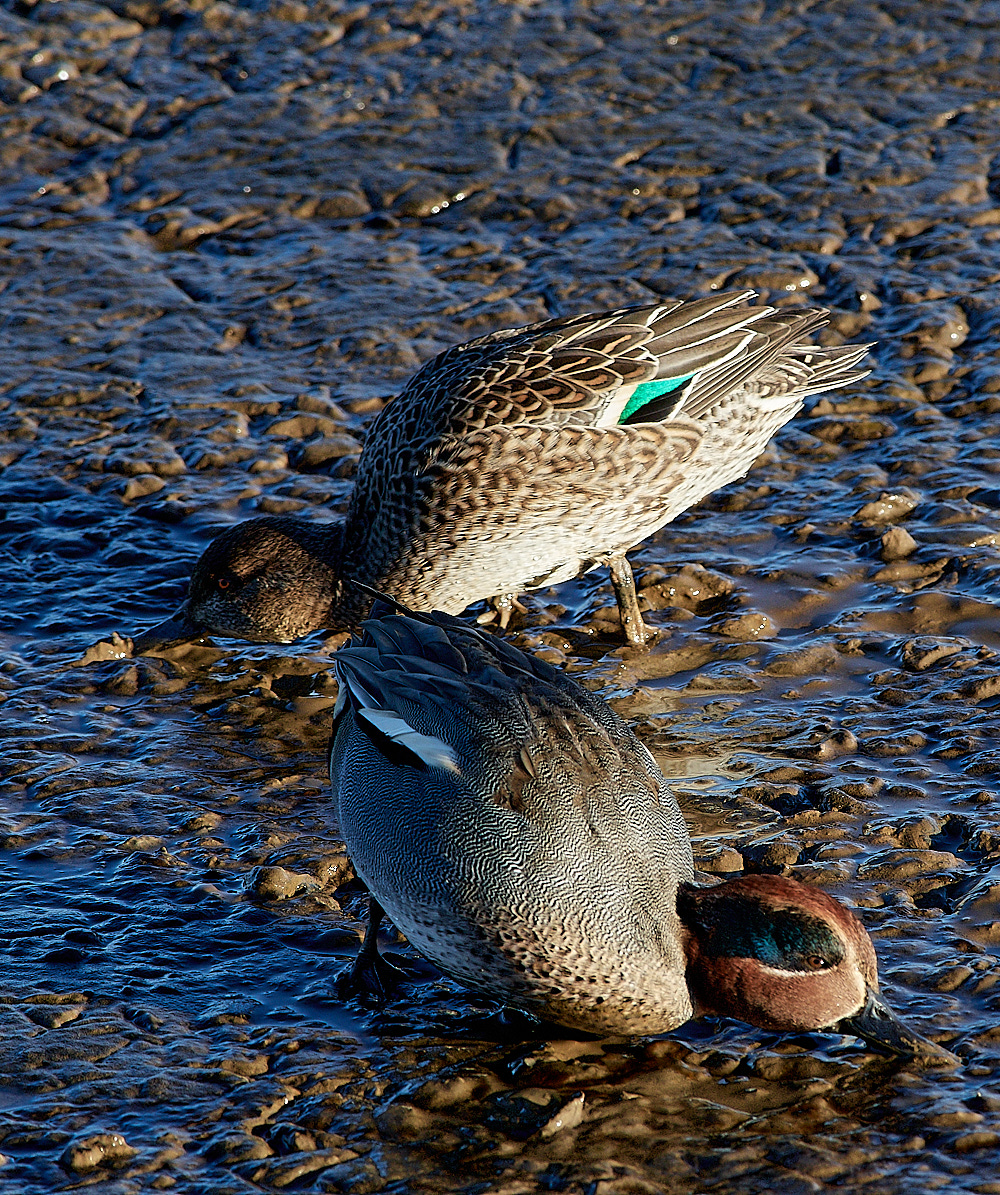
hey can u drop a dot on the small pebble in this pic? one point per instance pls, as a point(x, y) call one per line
point(897, 544)
point(277, 883)
point(102, 1149)
point(747, 626)
point(888, 508)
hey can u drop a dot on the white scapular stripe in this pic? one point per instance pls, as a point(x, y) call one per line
point(433, 751)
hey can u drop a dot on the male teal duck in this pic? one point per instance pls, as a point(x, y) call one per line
point(522, 838)
point(522, 459)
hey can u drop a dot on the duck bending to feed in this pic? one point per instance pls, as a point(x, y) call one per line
point(522, 459)
point(522, 838)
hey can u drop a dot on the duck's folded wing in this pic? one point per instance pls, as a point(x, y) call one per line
point(399, 710)
point(590, 785)
point(775, 357)
point(581, 370)
point(426, 713)
point(430, 750)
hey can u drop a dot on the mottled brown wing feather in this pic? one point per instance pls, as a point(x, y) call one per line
point(528, 380)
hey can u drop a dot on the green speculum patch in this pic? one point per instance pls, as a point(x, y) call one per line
point(645, 392)
point(782, 938)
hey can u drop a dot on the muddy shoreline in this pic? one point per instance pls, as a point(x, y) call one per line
point(229, 232)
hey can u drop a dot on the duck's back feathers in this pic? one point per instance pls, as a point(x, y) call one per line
point(475, 690)
point(570, 370)
point(528, 456)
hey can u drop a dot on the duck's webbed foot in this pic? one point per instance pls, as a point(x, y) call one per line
point(370, 975)
point(501, 608)
point(636, 631)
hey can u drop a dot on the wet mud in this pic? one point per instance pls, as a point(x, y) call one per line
point(228, 233)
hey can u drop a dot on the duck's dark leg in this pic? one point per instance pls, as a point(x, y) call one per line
point(370, 974)
point(636, 631)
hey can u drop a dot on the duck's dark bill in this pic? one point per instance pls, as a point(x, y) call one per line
point(879, 1026)
point(179, 628)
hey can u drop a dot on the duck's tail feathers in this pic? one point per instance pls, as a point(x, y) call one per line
point(824, 368)
point(775, 361)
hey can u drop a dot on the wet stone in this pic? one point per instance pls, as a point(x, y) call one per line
point(840, 799)
point(304, 425)
point(720, 861)
point(141, 486)
point(840, 742)
point(153, 457)
point(895, 866)
point(100, 1150)
point(970, 1142)
point(805, 661)
point(746, 627)
point(403, 1120)
point(797, 1067)
point(925, 651)
point(897, 543)
point(689, 588)
point(279, 883)
point(329, 448)
point(53, 1017)
point(237, 1147)
point(290, 1170)
point(228, 1012)
point(887, 508)
point(951, 979)
point(918, 832)
point(771, 857)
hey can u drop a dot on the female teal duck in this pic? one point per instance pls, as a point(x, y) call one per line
point(522, 459)
point(524, 840)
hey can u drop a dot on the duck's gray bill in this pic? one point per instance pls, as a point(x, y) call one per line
point(179, 628)
point(879, 1026)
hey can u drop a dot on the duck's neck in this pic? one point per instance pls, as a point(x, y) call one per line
point(348, 604)
point(315, 555)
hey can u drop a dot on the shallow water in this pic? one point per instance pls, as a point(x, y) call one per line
point(228, 232)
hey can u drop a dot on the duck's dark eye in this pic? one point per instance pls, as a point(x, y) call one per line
point(223, 583)
point(816, 962)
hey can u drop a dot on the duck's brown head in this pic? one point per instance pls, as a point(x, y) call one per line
point(783, 955)
point(269, 580)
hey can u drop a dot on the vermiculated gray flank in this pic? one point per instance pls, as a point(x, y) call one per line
point(545, 868)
